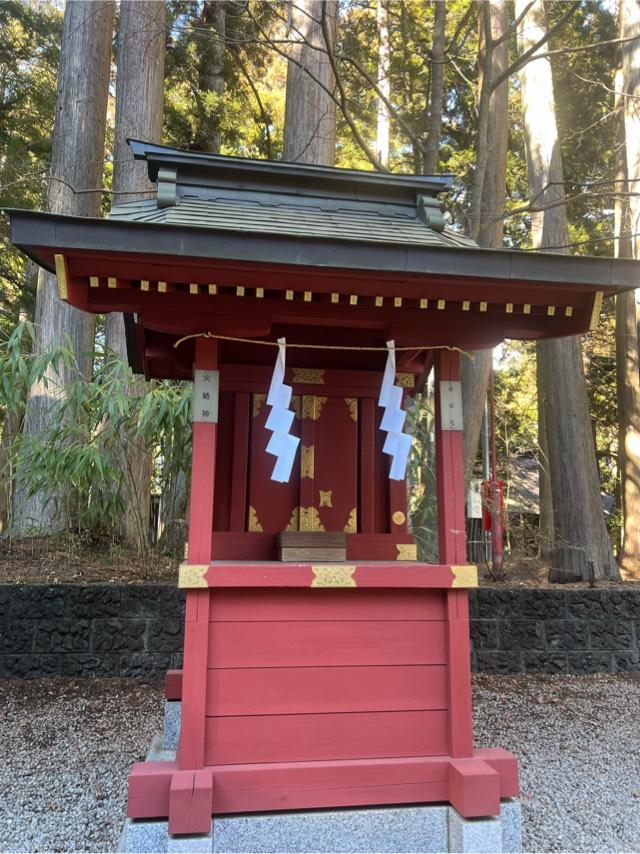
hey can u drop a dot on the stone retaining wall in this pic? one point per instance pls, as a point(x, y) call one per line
point(136, 630)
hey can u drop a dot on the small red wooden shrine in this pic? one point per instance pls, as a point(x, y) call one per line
point(313, 684)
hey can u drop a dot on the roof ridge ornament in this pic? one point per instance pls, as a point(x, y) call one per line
point(167, 193)
point(430, 212)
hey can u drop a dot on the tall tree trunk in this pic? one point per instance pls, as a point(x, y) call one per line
point(580, 533)
point(139, 110)
point(491, 158)
point(627, 215)
point(77, 160)
point(212, 25)
point(436, 90)
point(384, 83)
point(310, 112)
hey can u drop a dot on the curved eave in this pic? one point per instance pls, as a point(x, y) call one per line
point(40, 235)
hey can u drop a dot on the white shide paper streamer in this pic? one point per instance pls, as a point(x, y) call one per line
point(282, 444)
point(397, 444)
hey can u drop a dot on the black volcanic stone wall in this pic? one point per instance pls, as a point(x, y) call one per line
point(555, 631)
point(97, 630)
point(136, 630)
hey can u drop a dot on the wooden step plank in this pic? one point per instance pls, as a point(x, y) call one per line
point(326, 643)
point(312, 605)
point(303, 690)
point(358, 735)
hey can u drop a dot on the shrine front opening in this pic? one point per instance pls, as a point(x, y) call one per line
point(324, 664)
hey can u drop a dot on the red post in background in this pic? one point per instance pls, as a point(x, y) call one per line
point(194, 685)
point(452, 545)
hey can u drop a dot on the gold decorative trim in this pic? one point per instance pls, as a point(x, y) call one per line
point(379, 302)
point(466, 305)
point(509, 308)
point(112, 282)
point(288, 295)
point(296, 404)
point(259, 293)
point(307, 461)
point(258, 400)
point(186, 551)
point(162, 287)
point(353, 299)
point(352, 522)
point(568, 312)
point(526, 308)
point(312, 406)
point(293, 523)
point(424, 303)
point(144, 284)
point(61, 276)
point(193, 288)
point(326, 497)
point(307, 296)
point(595, 312)
point(94, 281)
point(254, 522)
point(311, 376)
point(465, 576)
point(406, 380)
point(335, 297)
point(406, 551)
point(442, 304)
point(310, 520)
point(333, 576)
point(397, 302)
point(352, 406)
point(213, 290)
point(551, 310)
point(483, 306)
point(192, 575)
point(239, 290)
point(399, 518)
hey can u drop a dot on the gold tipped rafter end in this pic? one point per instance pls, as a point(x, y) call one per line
point(465, 576)
point(61, 276)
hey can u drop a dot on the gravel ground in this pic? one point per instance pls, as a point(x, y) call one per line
point(64, 769)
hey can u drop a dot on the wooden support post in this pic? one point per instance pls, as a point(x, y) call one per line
point(194, 683)
point(452, 546)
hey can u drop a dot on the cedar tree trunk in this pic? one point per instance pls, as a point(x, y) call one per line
point(580, 533)
point(77, 161)
point(310, 112)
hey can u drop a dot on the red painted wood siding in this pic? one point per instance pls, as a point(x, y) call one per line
point(303, 675)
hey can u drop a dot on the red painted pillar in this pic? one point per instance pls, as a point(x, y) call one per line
point(196, 636)
point(452, 546)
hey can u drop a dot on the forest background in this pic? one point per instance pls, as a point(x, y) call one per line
point(531, 106)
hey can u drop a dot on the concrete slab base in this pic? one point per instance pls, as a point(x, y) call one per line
point(384, 830)
point(171, 728)
point(420, 829)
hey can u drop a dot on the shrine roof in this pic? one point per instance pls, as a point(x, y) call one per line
point(289, 199)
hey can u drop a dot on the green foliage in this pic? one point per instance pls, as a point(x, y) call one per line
point(76, 459)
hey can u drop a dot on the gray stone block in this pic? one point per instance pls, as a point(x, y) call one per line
point(489, 661)
point(171, 727)
point(144, 836)
point(474, 835)
point(200, 843)
point(395, 829)
point(158, 753)
point(511, 820)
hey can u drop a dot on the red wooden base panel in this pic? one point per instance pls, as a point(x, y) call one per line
point(474, 786)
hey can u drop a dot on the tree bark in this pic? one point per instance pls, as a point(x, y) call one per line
point(384, 83)
point(212, 22)
point(436, 90)
point(139, 110)
point(627, 222)
point(310, 112)
point(77, 161)
point(581, 543)
point(491, 158)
